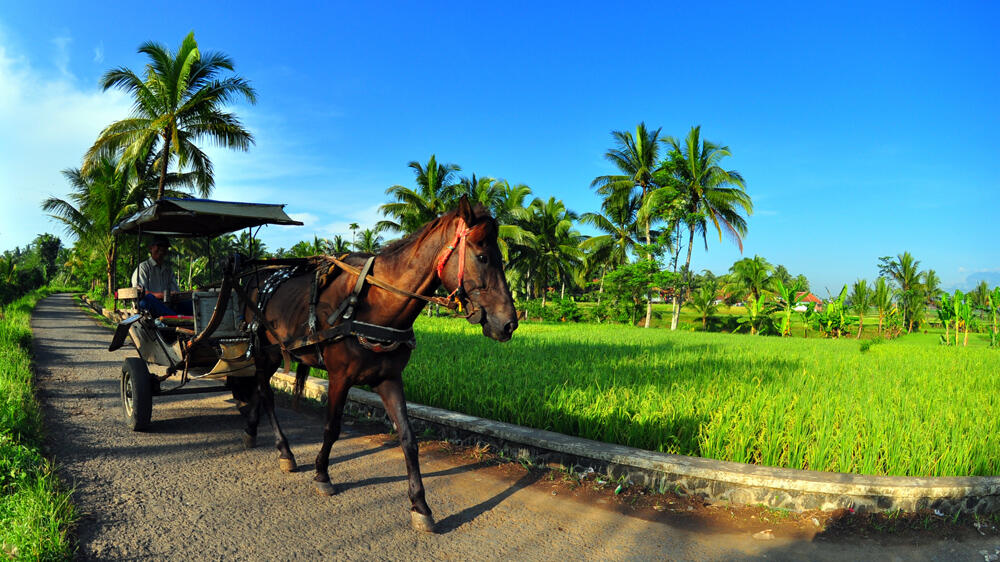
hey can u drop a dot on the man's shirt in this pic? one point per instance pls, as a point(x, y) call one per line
point(154, 278)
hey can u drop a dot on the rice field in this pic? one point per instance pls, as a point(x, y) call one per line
point(900, 408)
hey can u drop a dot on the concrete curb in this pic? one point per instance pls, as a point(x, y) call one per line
point(715, 481)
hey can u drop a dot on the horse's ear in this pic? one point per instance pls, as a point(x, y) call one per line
point(464, 211)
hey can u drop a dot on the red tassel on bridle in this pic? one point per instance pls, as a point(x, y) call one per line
point(461, 233)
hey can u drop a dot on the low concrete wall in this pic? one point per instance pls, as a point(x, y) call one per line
point(715, 481)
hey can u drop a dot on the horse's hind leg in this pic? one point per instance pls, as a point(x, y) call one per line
point(246, 394)
point(337, 397)
point(391, 391)
point(285, 457)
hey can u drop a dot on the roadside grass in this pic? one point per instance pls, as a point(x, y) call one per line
point(902, 408)
point(35, 511)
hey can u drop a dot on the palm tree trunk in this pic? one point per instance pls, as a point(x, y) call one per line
point(649, 297)
point(675, 319)
point(562, 291)
point(861, 325)
point(600, 291)
point(163, 165)
point(110, 259)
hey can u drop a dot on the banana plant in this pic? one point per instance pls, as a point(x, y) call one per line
point(957, 304)
point(788, 298)
point(993, 300)
point(758, 318)
point(946, 314)
point(833, 320)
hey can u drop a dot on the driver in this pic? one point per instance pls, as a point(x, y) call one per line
point(156, 282)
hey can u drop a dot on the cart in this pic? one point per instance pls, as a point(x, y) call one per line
point(211, 344)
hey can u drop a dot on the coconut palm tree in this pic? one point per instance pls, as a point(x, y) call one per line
point(435, 194)
point(750, 276)
point(621, 229)
point(338, 245)
point(370, 241)
point(551, 250)
point(637, 157)
point(881, 300)
point(709, 194)
point(99, 200)
point(905, 271)
point(178, 102)
point(705, 300)
point(861, 300)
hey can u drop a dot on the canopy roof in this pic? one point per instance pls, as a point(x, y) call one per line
point(201, 217)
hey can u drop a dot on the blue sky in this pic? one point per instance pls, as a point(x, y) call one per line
point(862, 130)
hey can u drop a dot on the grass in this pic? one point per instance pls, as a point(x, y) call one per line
point(35, 512)
point(907, 407)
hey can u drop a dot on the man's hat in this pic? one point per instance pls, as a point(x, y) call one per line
point(160, 240)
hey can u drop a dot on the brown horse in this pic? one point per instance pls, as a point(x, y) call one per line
point(457, 250)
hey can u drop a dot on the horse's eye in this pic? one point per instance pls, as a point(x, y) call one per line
point(482, 258)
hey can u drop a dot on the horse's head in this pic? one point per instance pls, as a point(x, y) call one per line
point(471, 268)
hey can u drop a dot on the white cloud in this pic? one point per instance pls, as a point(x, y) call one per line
point(99, 53)
point(48, 122)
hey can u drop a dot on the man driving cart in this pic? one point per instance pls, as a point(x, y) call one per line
point(157, 285)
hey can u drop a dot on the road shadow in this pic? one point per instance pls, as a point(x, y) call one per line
point(454, 521)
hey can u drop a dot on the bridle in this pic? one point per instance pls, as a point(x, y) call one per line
point(459, 296)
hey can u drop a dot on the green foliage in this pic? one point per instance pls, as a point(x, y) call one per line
point(832, 320)
point(35, 514)
point(626, 289)
point(568, 311)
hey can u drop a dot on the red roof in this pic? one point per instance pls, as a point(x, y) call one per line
point(809, 297)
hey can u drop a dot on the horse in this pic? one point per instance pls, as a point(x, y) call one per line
point(298, 314)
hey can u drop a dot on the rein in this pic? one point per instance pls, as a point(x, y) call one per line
point(379, 339)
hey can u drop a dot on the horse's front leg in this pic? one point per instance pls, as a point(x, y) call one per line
point(286, 460)
point(391, 391)
point(336, 398)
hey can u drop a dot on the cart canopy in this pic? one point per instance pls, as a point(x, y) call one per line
point(201, 217)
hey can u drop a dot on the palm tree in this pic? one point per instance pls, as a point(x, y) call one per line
point(99, 200)
point(621, 231)
point(904, 270)
point(704, 301)
point(436, 193)
point(861, 300)
point(178, 102)
point(550, 250)
point(338, 245)
point(708, 193)
point(370, 242)
point(881, 300)
point(637, 158)
point(353, 227)
point(750, 276)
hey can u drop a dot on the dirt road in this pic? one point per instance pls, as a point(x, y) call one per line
point(187, 490)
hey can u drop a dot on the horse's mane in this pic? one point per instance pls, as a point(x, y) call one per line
point(479, 211)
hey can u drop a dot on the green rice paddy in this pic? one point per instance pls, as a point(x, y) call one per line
point(900, 408)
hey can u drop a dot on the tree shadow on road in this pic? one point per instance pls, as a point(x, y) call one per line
point(454, 521)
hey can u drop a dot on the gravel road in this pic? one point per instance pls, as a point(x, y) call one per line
point(187, 490)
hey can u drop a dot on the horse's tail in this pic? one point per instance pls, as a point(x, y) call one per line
point(301, 374)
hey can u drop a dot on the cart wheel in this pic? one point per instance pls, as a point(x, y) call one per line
point(137, 393)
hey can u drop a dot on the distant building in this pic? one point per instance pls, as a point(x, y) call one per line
point(804, 302)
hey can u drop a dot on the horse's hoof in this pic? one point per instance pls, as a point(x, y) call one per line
point(287, 465)
point(421, 522)
point(249, 441)
point(324, 488)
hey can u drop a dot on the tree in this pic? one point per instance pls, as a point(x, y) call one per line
point(861, 299)
point(178, 102)
point(436, 193)
point(704, 301)
point(551, 250)
point(338, 245)
point(354, 234)
point(637, 158)
point(621, 229)
point(99, 200)
point(47, 246)
point(750, 276)
point(904, 270)
point(788, 297)
point(881, 300)
point(708, 193)
point(370, 241)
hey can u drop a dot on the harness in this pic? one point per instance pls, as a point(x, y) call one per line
point(373, 337)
